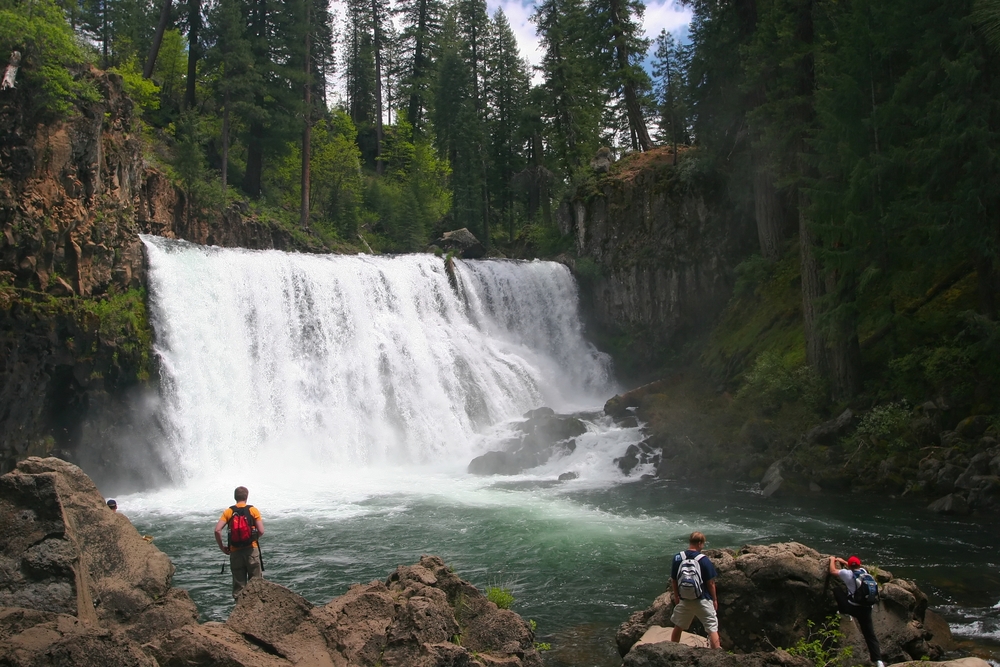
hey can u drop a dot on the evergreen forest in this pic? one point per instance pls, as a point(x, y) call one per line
point(861, 137)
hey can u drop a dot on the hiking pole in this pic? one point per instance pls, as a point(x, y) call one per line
point(223, 568)
point(261, 556)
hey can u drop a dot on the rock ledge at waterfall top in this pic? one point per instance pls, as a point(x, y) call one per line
point(767, 596)
point(79, 586)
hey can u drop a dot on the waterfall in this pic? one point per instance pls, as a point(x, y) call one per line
point(333, 361)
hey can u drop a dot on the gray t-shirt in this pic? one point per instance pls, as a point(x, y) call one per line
point(849, 578)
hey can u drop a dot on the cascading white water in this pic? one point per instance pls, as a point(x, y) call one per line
point(330, 361)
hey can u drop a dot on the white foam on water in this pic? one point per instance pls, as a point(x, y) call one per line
point(321, 381)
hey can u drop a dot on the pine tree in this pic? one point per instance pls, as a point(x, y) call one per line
point(507, 83)
point(620, 49)
point(573, 104)
point(669, 67)
point(421, 24)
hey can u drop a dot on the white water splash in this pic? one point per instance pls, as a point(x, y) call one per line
point(309, 364)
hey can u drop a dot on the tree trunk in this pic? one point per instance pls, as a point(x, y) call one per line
point(418, 67)
point(844, 351)
point(767, 207)
point(225, 144)
point(812, 291)
point(194, 51)
point(255, 158)
point(154, 48)
point(635, 118)
point(307, 127)
point(377, 22)
point(988, 286)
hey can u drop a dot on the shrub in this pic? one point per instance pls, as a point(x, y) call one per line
point(771, 381)
point(822, 645)
point(49, 54)
point(501, 597)
point(886, 424)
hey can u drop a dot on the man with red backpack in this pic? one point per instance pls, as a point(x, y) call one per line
point(245, 526)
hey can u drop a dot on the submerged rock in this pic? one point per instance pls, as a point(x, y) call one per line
point(767, 596)
point(544, 435)
point(79, 587)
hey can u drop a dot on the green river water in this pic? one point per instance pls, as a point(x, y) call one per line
point(579, 560)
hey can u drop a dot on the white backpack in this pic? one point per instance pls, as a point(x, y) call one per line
point(689, 582)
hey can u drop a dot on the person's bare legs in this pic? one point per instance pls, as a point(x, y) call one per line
point(713, 640)
point(675, 635)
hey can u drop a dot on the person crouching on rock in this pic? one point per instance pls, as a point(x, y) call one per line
point(857, 600)
point(692, 579)
point(245, 526)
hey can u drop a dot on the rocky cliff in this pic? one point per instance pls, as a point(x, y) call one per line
point(657, 247)
point(75, 194)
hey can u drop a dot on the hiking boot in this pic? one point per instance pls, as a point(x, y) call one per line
point(879, 663)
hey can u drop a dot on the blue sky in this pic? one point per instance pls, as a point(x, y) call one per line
point(660, 14)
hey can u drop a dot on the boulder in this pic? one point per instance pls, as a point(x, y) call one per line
point(769, 594)
point(544, 434)
point(828, 431)
point(567, 476)
point(617, 407)
point(65, 552)
point(952, 503)
point(772, 480)
point(602, 161)
point(463, 241)
point(972, 427)
point(669, 654)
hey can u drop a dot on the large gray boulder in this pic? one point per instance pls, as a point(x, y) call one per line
point(543, 435)
point(78, 583)
point(463, 242)
point(769, 594)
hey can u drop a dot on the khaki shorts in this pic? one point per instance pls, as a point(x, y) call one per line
point(687, 610)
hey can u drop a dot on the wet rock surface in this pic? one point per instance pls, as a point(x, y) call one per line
point(543, 435)
point(769, 594)
point(79, 586)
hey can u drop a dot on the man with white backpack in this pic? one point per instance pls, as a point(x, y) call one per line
point(692, 581)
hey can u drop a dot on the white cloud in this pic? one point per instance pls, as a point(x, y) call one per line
point(519, 14)
point(666, 15)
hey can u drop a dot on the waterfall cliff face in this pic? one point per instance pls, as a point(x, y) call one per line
point(333, 360)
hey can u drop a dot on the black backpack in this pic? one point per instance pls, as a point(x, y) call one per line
point(866, 589)
point(242, 527)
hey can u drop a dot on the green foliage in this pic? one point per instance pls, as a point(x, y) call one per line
point(51, 59)
point(145, 93)
point(191, 134)
point(500, 596)
point(546, 240)
point(122, 318)
point(543, 646)
point(822, 644)
point(587, 271)
point(885, 421)
point(775, 379)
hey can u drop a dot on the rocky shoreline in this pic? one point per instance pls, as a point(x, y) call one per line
point(80, 586)
point(943, 460)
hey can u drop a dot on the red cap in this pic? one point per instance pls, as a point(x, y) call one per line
point(853, 562)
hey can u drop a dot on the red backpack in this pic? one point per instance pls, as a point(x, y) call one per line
point(242, 527)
